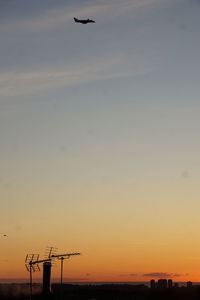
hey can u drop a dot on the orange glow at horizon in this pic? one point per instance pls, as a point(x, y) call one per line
point(114, 262)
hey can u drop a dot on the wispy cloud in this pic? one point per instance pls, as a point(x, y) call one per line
point(162, 274)
point(33, 81)
point(56, 17)
point(50, 77)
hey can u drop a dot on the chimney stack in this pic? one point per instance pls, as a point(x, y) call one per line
point(46, 278)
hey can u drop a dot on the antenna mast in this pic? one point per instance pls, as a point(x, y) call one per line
point(62, 257)
point(32, 262)
point(32, 265)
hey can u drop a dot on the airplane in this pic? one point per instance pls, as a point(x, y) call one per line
point(83, 21)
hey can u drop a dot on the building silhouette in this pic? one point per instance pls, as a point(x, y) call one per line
point(189, 284)
point(170, 283)
point(162, 283)
point(176, 284)
point(152, 284)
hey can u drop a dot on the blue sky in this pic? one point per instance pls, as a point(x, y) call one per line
point(128, 82)
point(99, 115)
point(134, 38)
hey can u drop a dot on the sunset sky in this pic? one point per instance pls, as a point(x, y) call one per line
point(99, 131)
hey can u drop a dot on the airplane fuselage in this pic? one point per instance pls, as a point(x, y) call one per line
point(83, 21)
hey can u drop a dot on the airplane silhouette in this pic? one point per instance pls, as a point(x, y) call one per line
point(83, 21)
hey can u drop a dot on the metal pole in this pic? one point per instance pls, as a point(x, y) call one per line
point(31, 292)
point(61, 277)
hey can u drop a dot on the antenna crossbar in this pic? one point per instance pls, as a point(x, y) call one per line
point(65, 254)
point(40, 261)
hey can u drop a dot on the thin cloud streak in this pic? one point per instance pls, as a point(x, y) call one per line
point(57, 17)
point(54, 18)
point(162, 274)
point(27, 82)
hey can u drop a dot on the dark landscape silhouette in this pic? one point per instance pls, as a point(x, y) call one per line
point(100, 292)
point(162, 288)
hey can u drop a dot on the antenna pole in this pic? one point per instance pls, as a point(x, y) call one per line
point(61, 277)
point(61, 271)
point(62, 257)
point(32, 264)
point(31, 292)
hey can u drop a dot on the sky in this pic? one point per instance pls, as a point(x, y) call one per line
point(99, 131)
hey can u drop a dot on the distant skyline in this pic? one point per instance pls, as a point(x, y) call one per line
point(99, 131)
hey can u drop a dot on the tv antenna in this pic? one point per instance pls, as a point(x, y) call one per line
point(32, 262)
point(50, 251)
point(32, 265)
point(62, 257)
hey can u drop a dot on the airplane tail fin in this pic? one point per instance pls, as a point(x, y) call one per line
point(75, 19)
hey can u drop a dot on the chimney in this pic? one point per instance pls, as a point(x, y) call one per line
point(46, 278)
